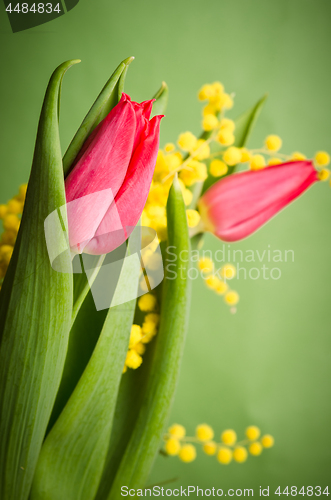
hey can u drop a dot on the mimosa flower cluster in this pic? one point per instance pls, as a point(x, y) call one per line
point(193, 158)
point(217, 280)
point(142, 334)
point(226, 450)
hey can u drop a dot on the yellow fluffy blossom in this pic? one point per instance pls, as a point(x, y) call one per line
point(209, 109)
point(11, 222)
point(206, 265)
point(225, 451)
point(228, 271)
point(187, 453)
point(14, 206)
point(225, 101)
point(158, 195)
point(231, 298)
point(253, 432)
point(172, 446)
point(5, 254)
point(209, 122)
point(240, 454)
point(201, 150)
point(232, 156)
point(257, 162)
point(227, 124)
point(224, 455)
point(8, 237)
point(255, 449)
point(153, 318)
point(3, 211)
point(187, 194)
point(274, 161)
point(267, 441)
point(221, 288)
point(218, 168)
point(193, 217)
point(212, 281)
point(206, 92)
point(204, 432)
point(22, 192)
point(194, 171)
point(225, 137)
point(133, 359)
point(135, 335)
point(322, 158)
point(210, 448)
point(245, 155)
point(273, 142)
point(229, 437)
point(218, 88)
point(177, 430)
point(187, 141)
point(140, 348)
point(169, 147)
point(147, 302)
point(324, 174)
point(297, 156)
point(149, 330)
point(173, 161)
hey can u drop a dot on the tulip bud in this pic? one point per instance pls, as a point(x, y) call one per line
point(108, 186)
point(236, 206)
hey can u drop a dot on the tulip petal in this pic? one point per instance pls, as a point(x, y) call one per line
point(131, 198)
point(238, 205)
point(106, 100)
point(143, 113)
point(102, 167)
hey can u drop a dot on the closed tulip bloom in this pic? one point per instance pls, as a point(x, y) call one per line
point(236, 206)
point(108, 186)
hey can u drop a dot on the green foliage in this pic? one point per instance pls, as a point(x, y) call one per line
point(35, 313)
point(73, 455)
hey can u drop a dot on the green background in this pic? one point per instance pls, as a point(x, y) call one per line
point(268, 364)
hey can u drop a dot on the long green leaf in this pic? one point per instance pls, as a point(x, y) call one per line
point(35, 313)
point(163, 376)
point(106, 100)
point(73, 455)
point(83, 337)
point(244, 127)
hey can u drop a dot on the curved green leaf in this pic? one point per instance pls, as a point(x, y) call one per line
point(35, 313)
point(107, 99)
point(146, 437)
point(72, 457)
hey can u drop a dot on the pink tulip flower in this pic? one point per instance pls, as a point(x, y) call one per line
point(236, 206)
point(108, 186)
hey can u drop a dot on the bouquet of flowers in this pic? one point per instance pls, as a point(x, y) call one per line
point(95, 285)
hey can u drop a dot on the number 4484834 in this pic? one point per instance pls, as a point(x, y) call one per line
point(308, 490)
point(36, 8)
